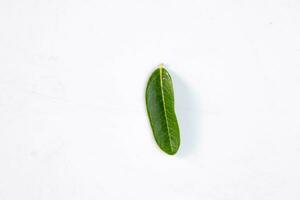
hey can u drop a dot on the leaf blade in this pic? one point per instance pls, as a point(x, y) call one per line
point(161, 112)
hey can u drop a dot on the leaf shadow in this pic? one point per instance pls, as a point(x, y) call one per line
point(186, 108)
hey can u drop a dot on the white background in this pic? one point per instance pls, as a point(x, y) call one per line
point(73, 124)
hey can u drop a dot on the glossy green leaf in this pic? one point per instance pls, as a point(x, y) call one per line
point(161, 112)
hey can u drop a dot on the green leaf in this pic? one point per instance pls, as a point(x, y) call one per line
point(161, 112)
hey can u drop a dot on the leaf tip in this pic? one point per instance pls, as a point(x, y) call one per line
point(171, 153)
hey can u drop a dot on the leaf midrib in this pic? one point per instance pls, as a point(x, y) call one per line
point(164, 104)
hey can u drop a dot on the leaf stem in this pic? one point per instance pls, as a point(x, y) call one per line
point(161, 65)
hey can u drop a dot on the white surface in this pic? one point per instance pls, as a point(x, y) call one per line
point(72, 114)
